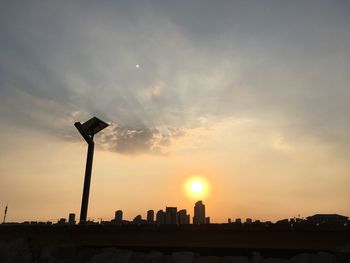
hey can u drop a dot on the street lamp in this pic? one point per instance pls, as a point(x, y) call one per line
point(88, 130)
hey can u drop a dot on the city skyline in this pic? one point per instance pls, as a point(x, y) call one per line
point(241, 104)
point(173, 216)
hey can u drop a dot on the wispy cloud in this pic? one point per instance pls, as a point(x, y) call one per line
point(59, 59)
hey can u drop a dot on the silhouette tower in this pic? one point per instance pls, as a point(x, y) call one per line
point(199, 213)
point(5, 214)
point(88, 130)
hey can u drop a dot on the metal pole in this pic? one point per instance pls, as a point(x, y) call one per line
point(86, 191)
point(5, 215)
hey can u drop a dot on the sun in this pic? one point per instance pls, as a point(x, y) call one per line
point(197, 187)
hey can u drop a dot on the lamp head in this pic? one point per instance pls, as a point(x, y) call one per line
point(89, 128)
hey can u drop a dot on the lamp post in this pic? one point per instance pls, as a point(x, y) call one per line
point(88, 129)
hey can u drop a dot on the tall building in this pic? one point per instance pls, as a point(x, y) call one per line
point(171, 215)
point(160, 217)
point(118, 217)
point(71, 219)
point(199, 213)
point(150, 216)
point(182, 217)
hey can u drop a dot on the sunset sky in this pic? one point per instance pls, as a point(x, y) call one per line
point(251, 96)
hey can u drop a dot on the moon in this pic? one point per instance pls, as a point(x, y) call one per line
point(137, 66)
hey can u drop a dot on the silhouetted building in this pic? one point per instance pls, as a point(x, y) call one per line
point(182, 217)
point(160, 217)
point(150, 216)
point(249, 221)
point(170, 215)
point(62, 221)
point(229, 221)
point(238, 221)
point(283, 222)
point(299, 220)
point(138, 220)
point(71, 219)
point(199, 213)
point(118, 217)
point(328, 218)
point(207, 220)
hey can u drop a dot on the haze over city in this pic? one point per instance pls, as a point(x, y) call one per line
point(242, 104)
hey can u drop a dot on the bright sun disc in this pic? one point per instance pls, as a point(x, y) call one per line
point(196, 187)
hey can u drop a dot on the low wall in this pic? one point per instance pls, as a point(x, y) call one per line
point(167, 240)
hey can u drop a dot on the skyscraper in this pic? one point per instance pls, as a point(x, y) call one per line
point(150, 216)
point(171, 215)
point(160, 217)
point(182, 217)
point(71, 219)
point(199, 213)
point(118, 217)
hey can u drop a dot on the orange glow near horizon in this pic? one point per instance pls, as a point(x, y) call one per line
point(197, 187)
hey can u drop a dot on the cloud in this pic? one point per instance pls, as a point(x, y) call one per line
point(148, 94)
point(131, 141)
point(71, 58)
point(279, 143)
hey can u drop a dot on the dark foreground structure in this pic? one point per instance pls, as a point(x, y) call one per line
point(88, 130)
point(167, 243)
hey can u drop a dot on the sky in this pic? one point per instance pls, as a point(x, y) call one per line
point(251, 96)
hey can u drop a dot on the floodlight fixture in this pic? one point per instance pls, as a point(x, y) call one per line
point(88, 129)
